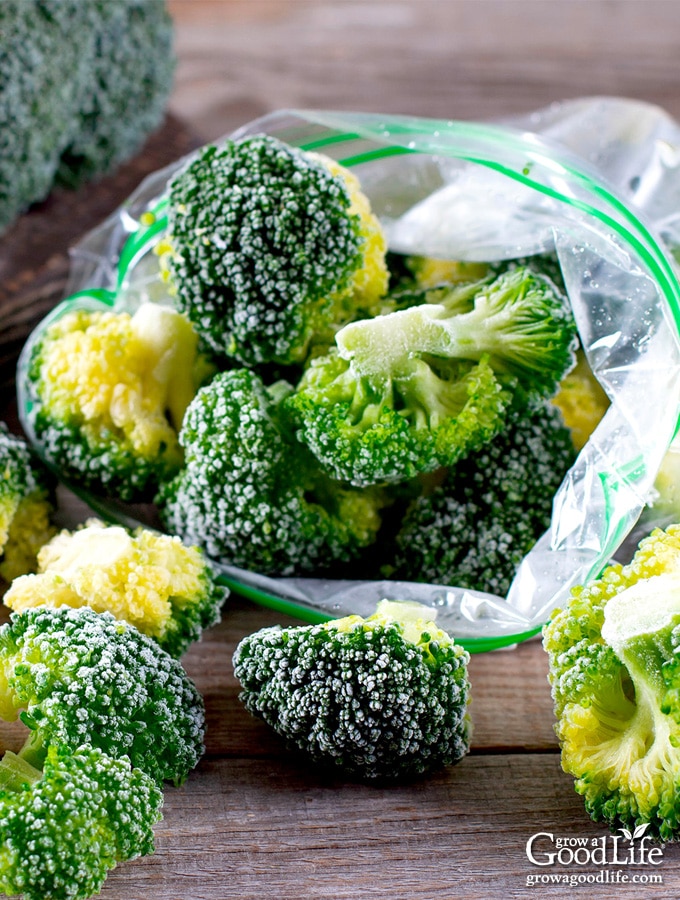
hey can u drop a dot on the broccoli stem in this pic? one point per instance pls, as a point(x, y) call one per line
point(16, 773)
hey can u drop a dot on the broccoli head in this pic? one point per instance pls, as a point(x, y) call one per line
point(473, 529)
point(66, 823)
point(151, 580)
point(251, 496)
point(614, 656)
point(419, 388)
point(383, 697)
point(80, 677)
point(25, 506)
point(268, 247)
point(108, 393)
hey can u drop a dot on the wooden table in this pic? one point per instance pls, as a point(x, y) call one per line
point(255, 820)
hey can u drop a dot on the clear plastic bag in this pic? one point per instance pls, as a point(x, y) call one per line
point(595, 180)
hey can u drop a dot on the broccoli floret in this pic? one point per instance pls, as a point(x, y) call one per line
point(65, 824)
point(251, 496)
point(413, 390)
point(614, 656)
point(77, 677)
point(269, 247)
point(26, 508)
point(382, 698)
point(154, 582)
point(108, 391)
point(82, 84)
point(473, 530)
point(126, 87)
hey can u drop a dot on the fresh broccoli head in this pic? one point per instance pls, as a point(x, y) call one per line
point(108, 393)
point(382, 698)
point(473, 530)
point(614, 655)
point(151, 580)
point(67, 821)
point(80, 677)
point(251, 496)
point(269, 246)
point(25, 506)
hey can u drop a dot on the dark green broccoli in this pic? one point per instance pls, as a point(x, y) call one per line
point(413, 390)
point(81, 677)
point(82, 84)
point(67, 821)
point(268, 247)
point(107, 392)
point(251, 496)
point(473, 529)
point(26, 508)
point(382, 698)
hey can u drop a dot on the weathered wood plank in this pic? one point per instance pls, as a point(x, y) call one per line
point(248, 828)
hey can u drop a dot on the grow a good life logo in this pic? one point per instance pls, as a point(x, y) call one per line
point(629, 857)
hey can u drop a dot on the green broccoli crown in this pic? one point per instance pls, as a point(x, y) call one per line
point(251, 496)
point(262, 242)
point(614, 654)
point(371, 429)
point(66, 826)
point(380, 698)
point(473, 530)
point(26, 490)
point(83, 677)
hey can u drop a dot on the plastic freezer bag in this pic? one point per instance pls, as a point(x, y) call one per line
point(598, 182)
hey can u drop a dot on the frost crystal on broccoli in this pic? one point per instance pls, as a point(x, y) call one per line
point(263, 246)
point(375, 697)
point(84, 677)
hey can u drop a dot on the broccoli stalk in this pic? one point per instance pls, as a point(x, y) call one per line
point(615, 675)
point(151, 580)
point(518, 321)
point(380, 698)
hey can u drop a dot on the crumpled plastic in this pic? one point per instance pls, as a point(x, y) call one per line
point(597, 180)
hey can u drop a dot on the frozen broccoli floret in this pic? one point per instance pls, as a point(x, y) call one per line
point(108, 393)
point(473, 530)
point(25, 506)
point(251, 496)
point(614, 655)
point(67, 821)
point(383, 697)
point(419, 388)
point(268, 248)
point(154, 582)
point(82, 84)
point(126, 86)
point(80, 677)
